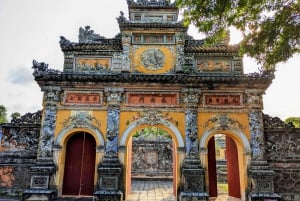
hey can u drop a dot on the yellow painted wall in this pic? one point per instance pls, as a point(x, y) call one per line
point(168, 64)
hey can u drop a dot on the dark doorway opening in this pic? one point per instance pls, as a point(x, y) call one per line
point(223, 166)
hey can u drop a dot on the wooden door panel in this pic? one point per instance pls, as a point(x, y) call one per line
point(212, 170)
point(73, 161)
point(79, 165)
point(233, 177)
point(88, 166)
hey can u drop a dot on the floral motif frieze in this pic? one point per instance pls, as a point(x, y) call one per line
point(81, 120)
point(93, 64)
point(223, 122)
point(153, 117)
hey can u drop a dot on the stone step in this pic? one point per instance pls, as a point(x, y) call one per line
point(74, 199)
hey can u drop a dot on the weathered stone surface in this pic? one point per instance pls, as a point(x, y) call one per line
point(283, 153)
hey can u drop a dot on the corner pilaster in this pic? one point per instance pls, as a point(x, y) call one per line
point(260, 174)
point(42, 186)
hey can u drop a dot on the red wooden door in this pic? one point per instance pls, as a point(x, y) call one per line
point(233, 175)
point(212, 170)
point(79, 165)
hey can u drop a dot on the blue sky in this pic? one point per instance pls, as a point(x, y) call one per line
point(31, 29)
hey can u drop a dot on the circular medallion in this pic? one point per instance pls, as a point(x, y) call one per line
point(153, 59)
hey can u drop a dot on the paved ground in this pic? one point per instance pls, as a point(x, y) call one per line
point(160, 191)
point(151, 191)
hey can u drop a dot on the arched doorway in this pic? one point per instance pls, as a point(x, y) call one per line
point(79, 169)
point(223, 167)
point(126, 145)
point(151, 162)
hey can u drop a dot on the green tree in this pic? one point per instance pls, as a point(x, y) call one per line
point(270, 27)
point(15, 115)
point(3, 114)
point(294, 120)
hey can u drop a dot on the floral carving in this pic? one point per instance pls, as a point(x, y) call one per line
point(47, 131)
point(153, 117)
point(80, 120)
point(223, 122)
point(284, 145)
point(257, 135)
point(191, 130)
point(112, 131)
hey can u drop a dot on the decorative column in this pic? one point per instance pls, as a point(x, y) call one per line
point(193, 175)
point(179, 52)
point(110, 170)
point(260, 173)
point(41, 185)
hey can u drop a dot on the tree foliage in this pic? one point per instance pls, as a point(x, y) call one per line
point(3, 114)
point(294, 120)
point(270, 27)
point(15, 115)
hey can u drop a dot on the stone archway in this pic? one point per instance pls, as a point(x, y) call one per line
point(126, 144)
point(243, 151)
point(59, 149)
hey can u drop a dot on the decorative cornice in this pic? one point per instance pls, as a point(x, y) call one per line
point(151, 4)
point(124, 25)
point(197, 46)
point(201, 78)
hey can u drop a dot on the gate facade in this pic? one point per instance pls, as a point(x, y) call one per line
point(151, 74)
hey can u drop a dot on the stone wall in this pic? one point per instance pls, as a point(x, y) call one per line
point(152, 159)
point(283, 154)
point(18, 152)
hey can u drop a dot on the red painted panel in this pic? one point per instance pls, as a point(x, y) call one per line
point(79, 165)
point(212, 170)
point(233, 177)
point(73, 162)
point(88, 166)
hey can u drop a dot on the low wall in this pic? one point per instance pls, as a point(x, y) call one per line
point(283, 154)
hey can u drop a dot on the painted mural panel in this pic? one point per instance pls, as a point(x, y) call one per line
point(93, 64)
point(214, 65)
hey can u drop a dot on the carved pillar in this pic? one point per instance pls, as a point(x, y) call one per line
point(193, 175)
point(126, 42)
point(41, 185)
point(110, 170)
point(179, 52)
point(260, 173)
